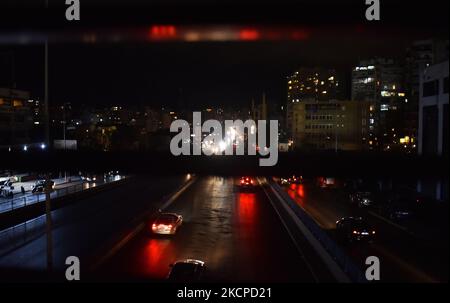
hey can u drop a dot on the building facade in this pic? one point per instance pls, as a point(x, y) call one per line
point(16, 120)
point(433, 123)
point(381, 82)
point(328, 125)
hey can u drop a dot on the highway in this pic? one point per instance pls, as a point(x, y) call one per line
point(62, 187)
point(84, 227)
point(403, 258)
point(237, 233)
point(242, 235)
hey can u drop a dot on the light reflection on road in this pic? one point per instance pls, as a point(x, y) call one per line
point(158, 254)
point(297, 193)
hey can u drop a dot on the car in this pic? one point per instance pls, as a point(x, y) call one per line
point(291, 180)
point(327, 182)
point(166, 223)
point(354, 229)
point(7, 191)
point(246, 182)
point(295, 179)
point(362, 198)
point(188, 270)
point(39, 186)
point(6, 183)
point(91, 178)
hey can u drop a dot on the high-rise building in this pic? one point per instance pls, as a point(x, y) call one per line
point(380, 82)
point(328, 125)
point(420, 55)
point(313, 84)
point(375, 79)
point(433, 123)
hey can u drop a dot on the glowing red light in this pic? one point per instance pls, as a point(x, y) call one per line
point(162, 31)
point(301, 191)
point(249, 34)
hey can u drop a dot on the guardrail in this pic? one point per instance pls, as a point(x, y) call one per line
point(15, 203)
point(21, 233)
point(16, 235)
point(340, 257)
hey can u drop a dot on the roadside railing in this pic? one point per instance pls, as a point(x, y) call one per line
point(11, 204)
point(16, 235)
point(340, 257)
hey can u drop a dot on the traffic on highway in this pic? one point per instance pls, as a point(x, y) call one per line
point(193, 228)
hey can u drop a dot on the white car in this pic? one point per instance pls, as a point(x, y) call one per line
point(166, 224)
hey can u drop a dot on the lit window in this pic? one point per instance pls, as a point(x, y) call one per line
point(384, 107)
point(17, 103)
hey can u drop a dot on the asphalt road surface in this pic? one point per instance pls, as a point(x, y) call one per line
point(237, 233)
point(83, 228)
point(403, 258)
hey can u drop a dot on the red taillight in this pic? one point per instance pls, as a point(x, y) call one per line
point(154, 226)
point(355, 232)
point(170, 225)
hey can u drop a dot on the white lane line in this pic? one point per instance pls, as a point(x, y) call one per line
point(124, 240)
point(390, 222)
point(308, 265)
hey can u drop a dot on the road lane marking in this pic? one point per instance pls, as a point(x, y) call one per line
point(290, 234)
point(124, 240)
point(390, 222)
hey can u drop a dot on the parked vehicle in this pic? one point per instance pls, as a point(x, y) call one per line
point(362, 198)
point(39, 186)
point(7, 191)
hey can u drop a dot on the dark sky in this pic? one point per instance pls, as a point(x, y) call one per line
point(203, 73)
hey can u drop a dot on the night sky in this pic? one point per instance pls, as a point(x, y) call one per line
point(199, 74)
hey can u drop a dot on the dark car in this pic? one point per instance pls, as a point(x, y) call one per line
point(188, 270)
point(39, 186)
point(246, 182)
point(354, 229)
point(362, 198)
point(291, 180)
